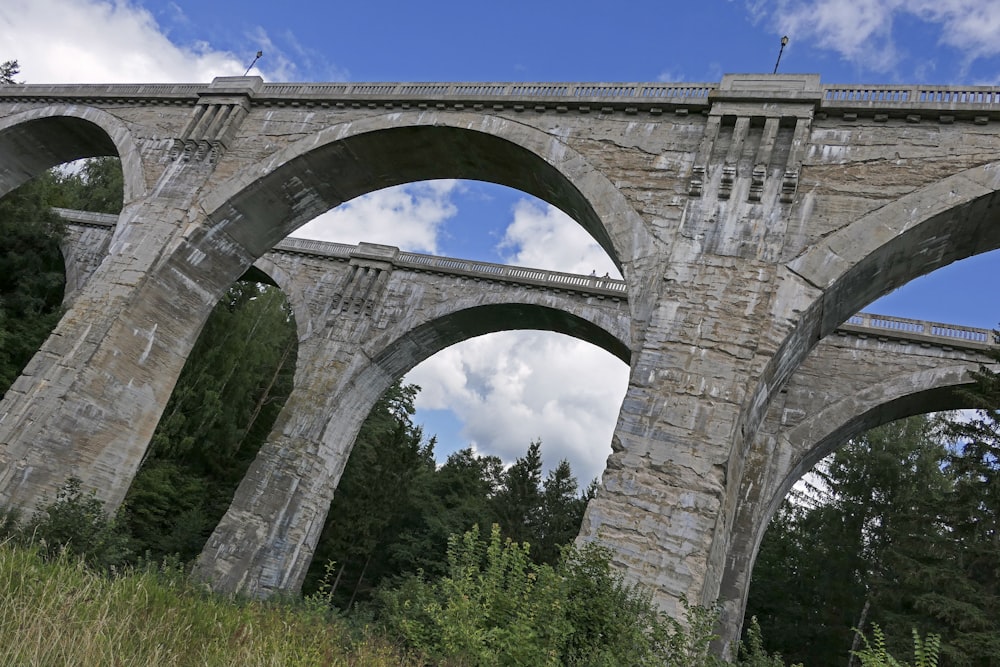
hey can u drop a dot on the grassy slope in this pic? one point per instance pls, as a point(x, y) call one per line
point(59, 613)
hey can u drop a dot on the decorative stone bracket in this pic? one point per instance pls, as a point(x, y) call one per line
point(216, 118)
point(777, 112)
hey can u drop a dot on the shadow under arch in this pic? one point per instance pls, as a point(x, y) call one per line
point(38, 139)
point(259, 207)
point(921, 392)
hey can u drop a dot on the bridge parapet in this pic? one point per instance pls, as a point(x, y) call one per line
point(977, 102)
point(863, 324)
point(920, 331)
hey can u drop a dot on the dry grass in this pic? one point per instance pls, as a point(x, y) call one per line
point(61, 613)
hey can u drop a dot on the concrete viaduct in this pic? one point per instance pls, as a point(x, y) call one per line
point(750, 218)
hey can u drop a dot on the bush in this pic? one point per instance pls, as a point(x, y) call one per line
point(77, 524)
point(496, 607)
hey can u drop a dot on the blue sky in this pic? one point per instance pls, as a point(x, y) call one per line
point(499, 392)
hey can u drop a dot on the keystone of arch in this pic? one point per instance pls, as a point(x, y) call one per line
point(931, 227)
point(121, 142)
point(591, 199)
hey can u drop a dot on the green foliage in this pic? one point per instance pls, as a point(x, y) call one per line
point(228, 395)
point(31, 274)
point(76, 523)
point(495, 606)
point(8, 70)
point(752, 652)
point(875, 653)
point(31, 264)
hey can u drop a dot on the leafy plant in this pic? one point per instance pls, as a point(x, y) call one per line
point(875, 653)
point(495, 606)
point(77, 524)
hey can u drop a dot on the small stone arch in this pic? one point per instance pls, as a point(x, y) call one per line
point(62, 133)
point(390, 359)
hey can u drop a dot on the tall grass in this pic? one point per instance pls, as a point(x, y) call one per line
point(61, 613)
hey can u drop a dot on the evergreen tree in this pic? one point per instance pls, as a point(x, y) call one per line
point(372, 501)
point(228, 395)
point(518, 504)
point(841, 561)
point(8, 70)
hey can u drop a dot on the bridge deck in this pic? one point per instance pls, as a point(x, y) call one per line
point(979, 102)
point(863, 324)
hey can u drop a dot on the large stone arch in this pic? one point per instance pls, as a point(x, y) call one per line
point(258, 207)
point(937, 224)
point(949, 220)
point(35, 140)
point(798, 449)
point(265, 541)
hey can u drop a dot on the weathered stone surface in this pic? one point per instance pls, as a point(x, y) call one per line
point(750, 219)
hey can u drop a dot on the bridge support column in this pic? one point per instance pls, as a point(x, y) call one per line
point(705, 372)
point(265, 542)
point(88, 402)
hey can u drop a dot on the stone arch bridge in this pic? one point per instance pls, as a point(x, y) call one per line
point(751, 219)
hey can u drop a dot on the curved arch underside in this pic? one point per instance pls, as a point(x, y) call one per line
point(30, 147)
point(310, 183)
point(923, 401)
point(941, 223)
point(424, 341)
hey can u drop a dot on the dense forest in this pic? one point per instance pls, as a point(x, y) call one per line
point(899, 529)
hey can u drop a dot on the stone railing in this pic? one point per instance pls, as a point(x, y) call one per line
point(480, 270)
point(919, 331)
point(558, 95)
point(862, 324)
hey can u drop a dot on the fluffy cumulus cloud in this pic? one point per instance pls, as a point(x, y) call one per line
point(862, 31)
point(83, 41)
point(120, 41)
point(407, 216)
point(542, 236)
point(514, 387)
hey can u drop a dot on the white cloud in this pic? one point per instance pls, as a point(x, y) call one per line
point(87, 41)
point(970, 26)
point(513, 387)
point(862, 31)
point(542, 236)
point(119, 41)
point(407, 216)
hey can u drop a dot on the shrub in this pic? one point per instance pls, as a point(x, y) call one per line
point(495, 607)
point(76, 523)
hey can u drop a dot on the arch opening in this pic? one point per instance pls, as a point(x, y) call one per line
point(856, 541)
point(461, 478)
point(227, 398)
point(342, 163)
point(45, 259)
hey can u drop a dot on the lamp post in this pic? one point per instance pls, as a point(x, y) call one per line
point(784, 43)
point(260, 53)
